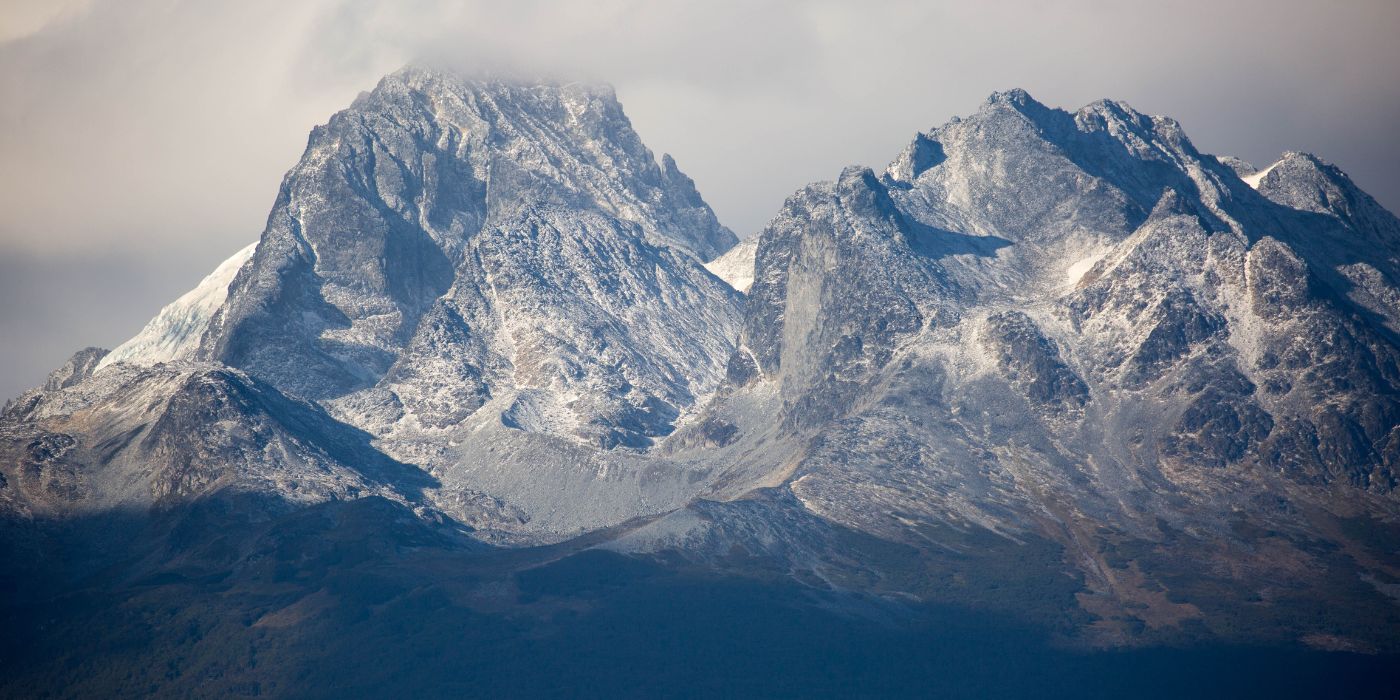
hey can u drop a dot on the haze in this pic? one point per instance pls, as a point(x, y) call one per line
point(141, 142)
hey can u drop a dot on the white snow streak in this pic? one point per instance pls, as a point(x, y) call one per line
point(175, 332)
point(1256, 178)
point(736, 266)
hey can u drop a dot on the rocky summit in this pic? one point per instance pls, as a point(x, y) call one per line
point(492, 363)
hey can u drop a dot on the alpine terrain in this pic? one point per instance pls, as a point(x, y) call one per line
point(495, 401)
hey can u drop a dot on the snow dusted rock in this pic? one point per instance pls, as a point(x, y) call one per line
point(1169, 382)
point(496, 280)
point(78, 367)
point(1075, 326)
point(149, 437)
point(443, 242)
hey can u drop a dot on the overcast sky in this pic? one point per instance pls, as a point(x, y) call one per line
point(142, 141)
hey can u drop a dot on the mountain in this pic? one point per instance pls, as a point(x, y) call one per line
point(461, 267)
point(1049, 375)
point(445, 243)
point(1076, 329)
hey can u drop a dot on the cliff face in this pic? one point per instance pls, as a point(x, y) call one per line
point(445, 242)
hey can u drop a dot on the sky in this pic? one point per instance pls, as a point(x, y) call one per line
point(143, 141)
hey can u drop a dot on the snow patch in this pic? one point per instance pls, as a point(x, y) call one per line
point(1256, 178)
point(175, 332)
point(736, 266)
point(1079, 268)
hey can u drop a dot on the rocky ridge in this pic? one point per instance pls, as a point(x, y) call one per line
point(1169, 380)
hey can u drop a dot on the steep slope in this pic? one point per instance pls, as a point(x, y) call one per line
point(175, 333)
point(736, 266)
point(444, 242)
point(1077, 329)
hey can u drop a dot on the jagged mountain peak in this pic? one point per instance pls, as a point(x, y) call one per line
point(1104, 110)
point(455, 265)
point(78, 367)
point(1117, 243)
point(1332, 189)
point(1305, 182)
point(505, 107)
point(1078, 316)
point(488, 252)
point(453, 244)
point(1013, 97)
point(1054, 121)
point(571, 140)
point(497, 94)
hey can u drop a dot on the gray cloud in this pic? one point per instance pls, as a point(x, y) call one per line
point(142, 141)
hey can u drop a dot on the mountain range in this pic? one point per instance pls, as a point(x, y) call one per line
point(491, 361)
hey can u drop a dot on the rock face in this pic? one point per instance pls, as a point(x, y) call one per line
point(79, 367)
point(1041, 356)
point(1077, 327)
point(444, 242)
